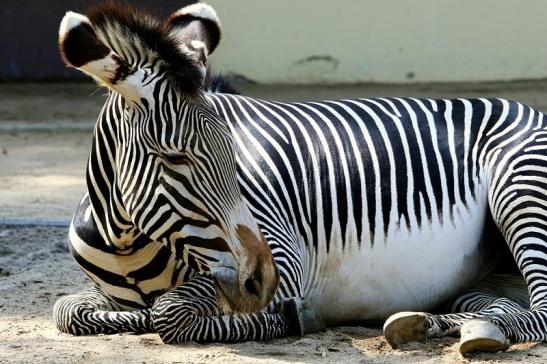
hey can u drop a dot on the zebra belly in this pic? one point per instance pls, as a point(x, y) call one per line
point(409, 271)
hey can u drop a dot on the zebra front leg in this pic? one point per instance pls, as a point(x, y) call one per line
point(191, 313)
point(91, 312)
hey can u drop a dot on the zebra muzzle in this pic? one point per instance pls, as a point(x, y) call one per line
point(259, 274)
point(254, 285)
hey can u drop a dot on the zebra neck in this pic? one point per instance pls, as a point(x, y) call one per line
point(111, 219)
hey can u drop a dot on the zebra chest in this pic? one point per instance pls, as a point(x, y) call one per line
point(409, 271)
point(136, 277)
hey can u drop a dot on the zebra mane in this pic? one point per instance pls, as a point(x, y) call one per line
point(217, 83)
point(140, 38)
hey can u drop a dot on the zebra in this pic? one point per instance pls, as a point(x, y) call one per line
point(219, 217)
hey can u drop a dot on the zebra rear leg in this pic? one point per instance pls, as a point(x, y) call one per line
point(191, 313)
point(91, 312)
point(518, 202)
point(404, 327)
point(477, 332)
point(482, 335)
point(481, 302)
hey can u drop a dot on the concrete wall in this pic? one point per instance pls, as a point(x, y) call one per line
point(346, 41)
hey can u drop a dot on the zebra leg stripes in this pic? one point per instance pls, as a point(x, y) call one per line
point(91, 312)
point(190, 313)
point(517, 198)
point(486, 320)
point(187, 313)
point(496, 294)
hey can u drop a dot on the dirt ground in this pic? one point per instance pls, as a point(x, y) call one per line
point(45, 133)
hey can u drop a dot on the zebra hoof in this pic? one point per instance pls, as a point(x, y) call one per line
point(481, 335)
point(404, 327)
point(302, 319)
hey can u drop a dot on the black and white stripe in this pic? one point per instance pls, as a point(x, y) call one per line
point(330, 184)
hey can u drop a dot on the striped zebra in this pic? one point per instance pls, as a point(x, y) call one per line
point(204, 208)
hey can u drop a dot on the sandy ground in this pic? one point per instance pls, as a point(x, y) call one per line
point(36, 269)
point(45, 132)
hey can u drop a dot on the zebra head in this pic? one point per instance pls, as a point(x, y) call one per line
point(174, 158)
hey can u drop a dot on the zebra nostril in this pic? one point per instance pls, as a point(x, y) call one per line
point(252, 286)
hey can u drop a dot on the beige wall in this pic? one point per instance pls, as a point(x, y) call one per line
point(305, 41)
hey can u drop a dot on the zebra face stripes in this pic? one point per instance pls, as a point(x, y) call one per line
point(192, 200)
point(171, 174)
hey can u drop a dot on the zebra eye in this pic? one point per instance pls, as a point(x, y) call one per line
point(177, 158)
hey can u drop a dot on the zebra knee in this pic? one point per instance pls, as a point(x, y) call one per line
point(504, 305)
point(472, 301)
point(69, 315)
point(185, 313)
point(172, 320)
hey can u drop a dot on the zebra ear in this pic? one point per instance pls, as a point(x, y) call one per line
point(197, 29)
point(82, 49)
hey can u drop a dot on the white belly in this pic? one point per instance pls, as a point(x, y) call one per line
point(406, 272)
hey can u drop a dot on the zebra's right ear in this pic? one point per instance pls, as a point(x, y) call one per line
point(82, 49)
